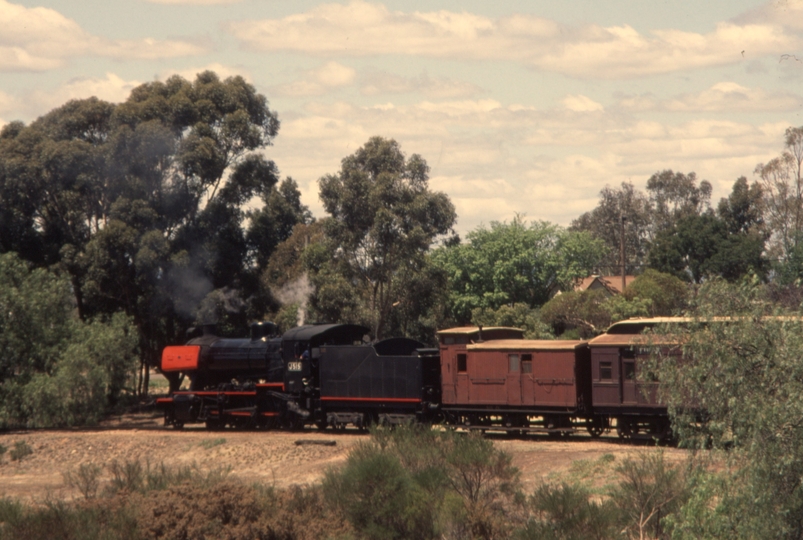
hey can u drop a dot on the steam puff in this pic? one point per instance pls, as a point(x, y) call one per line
point(188, 286)
point(296, 292)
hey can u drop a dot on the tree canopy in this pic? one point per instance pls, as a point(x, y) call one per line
point(728, 243)
point(142, 204)
point(383, 220)
point(511, 263)
point(744, 371)
point(56, 370)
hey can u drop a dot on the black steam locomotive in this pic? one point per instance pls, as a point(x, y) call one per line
point(326, 375)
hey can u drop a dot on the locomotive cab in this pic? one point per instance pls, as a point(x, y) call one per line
point(301, 351)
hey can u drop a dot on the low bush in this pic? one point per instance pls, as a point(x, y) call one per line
point(20, 450)
point(416, 483)
point(86, 479)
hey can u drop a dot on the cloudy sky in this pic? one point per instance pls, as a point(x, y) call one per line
point(526, 107)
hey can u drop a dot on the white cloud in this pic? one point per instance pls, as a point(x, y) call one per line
point(788, 13)
point(112, 88)
point(724, 96)
point(194, 2)
point(361, 28)
point(381, 82)
point(7, 103)
point(581, 103)
point(460, 108)
point(37, 39)
point(733, 97)
point(496, 160)
point(318, 81)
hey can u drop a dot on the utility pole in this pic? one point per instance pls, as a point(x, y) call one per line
point(622, 251)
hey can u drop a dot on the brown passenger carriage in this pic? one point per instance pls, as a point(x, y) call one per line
point(494, 379)
point(621, 394)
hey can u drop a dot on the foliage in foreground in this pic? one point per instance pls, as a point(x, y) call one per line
point(414, 483)
point(149, 502)
point(745, 372)
point(417, 483)
point(56, 370)
point(406, 483)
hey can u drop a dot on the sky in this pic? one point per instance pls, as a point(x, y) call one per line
point(519, 107)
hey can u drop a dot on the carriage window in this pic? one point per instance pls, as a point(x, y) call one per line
point(461, 363)
point(630, 371)
point(513, 362)
point(526, 363)
point(605, 371)
point(448, 340)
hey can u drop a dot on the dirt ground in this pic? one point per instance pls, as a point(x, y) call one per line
point(267, 457)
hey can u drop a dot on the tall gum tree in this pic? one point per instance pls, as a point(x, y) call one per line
point(131, 199)
point(782, 184)
point(384, 219)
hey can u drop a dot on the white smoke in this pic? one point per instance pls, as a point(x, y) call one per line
point(296, 292)
point(218, 302)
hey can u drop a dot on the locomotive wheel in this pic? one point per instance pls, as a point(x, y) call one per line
point(214, 424)
point(177, 424)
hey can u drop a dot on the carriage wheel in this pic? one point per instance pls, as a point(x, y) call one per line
point(625, 428)
point(595, 426)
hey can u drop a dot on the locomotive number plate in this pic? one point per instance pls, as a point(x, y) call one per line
point(293, 366)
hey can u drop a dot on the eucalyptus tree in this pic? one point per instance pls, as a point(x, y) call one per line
point(728, 243)
point(142, 203)
point(383, 221)
point(605, 222)
point(782, 188)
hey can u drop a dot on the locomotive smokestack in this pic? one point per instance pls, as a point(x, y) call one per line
point(479, 336)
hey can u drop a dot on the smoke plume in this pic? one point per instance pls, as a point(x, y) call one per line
point(296, 292)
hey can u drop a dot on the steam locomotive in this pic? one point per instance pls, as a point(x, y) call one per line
point(330, 375)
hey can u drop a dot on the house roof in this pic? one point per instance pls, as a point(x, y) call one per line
point(612, 283)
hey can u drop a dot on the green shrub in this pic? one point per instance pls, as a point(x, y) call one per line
point(412, 482)
point(132, 476)
point(565, 511)
point(58, 519)
point(649, 490)
point(21, 450)
point(379, 497)
point(86, 479)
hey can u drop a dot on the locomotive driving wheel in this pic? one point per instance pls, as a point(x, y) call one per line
point(215, 424)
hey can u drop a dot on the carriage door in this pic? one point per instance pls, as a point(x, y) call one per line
point(462, 377)
point(527, 383)
point(514, 379)
point(628, 374)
